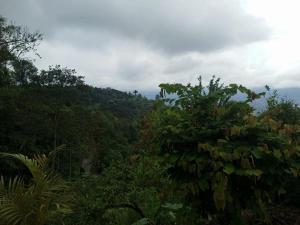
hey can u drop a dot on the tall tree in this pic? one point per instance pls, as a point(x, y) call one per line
point(15, 42)
point(23, 72)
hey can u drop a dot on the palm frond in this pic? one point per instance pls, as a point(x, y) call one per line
point(32, 165)
point(56, 151)
point(29, 203)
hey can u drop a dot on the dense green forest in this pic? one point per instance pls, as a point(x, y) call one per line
point(73, 154)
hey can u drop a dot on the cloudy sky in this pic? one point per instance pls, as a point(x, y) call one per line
point(138, 44)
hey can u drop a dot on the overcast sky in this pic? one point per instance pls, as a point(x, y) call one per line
point(138, 44)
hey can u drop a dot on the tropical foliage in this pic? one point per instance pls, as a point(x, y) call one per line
point(227, 159)
point(34, 200)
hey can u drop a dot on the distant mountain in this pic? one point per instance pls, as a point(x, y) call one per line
point(283, 93)
point(150, 94)
point(290, 93)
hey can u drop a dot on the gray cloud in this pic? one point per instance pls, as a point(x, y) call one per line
point(182, 64)
point(172, 26)
point(289, 77)
point(138, 44)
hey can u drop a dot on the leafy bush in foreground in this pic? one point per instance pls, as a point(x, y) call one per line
point(228, 160)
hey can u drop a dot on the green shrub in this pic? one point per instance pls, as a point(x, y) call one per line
point(228, 160)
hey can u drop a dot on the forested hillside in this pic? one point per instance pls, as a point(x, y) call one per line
point(73, 154)
point(90, 122)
